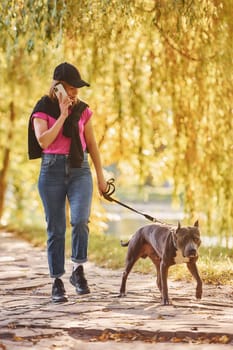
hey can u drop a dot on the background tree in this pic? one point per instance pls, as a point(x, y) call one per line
point(161, 76)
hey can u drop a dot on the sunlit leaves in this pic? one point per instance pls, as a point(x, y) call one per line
point(161, 87)
point(31, 21)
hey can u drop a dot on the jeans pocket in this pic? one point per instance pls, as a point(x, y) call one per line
point(48, 160)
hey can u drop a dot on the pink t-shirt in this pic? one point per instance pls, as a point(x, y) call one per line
point(61, 145)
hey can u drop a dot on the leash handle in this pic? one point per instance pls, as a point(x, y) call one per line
point(110, 190)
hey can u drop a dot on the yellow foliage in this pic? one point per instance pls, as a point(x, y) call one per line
point(161, 91)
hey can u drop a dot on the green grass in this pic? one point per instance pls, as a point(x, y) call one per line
point(215, 264)
point(35, 235)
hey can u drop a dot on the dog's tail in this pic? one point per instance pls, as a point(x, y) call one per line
point(124, 244)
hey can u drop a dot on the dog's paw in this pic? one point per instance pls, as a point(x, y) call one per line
point(121, 295)
point(165, 302)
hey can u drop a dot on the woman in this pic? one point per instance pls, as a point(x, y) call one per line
point(60, 131)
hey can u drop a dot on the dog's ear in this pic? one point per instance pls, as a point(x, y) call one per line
point(196, 223)
point(178, 227)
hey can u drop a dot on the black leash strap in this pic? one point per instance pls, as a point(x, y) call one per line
point(111, 189)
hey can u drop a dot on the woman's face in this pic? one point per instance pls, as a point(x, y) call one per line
point(71, 91)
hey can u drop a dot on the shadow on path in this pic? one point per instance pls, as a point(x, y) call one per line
point(28, 319)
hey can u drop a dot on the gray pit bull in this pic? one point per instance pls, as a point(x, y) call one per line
point(165, 245)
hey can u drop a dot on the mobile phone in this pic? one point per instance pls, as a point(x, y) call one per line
point(59, 89)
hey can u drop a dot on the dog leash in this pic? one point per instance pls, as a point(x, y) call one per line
point(111, 189)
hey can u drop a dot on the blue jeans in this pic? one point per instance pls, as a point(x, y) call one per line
point(57, 181)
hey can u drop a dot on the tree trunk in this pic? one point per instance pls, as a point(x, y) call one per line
point(6, 158)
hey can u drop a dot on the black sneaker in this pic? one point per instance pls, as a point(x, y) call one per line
point(78, 280)
point(58, 291)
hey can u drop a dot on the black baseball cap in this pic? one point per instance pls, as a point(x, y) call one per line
point(70, 74)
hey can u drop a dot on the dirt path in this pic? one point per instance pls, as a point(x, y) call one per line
point(101, 320)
